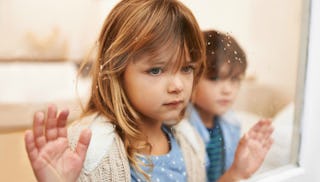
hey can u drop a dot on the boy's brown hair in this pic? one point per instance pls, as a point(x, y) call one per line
point(225, 57)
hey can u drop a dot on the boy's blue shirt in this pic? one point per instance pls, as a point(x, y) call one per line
point(230, 128)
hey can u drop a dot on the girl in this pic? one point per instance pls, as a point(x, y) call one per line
point(150, 55)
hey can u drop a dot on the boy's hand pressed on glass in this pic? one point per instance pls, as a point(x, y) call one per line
point(251, 152)
point(48, 148)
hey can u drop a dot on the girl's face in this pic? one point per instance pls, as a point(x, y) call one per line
point(156, 89)
point(215, 96)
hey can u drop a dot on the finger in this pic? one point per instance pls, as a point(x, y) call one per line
point(244, 140)
point(38, 130)
point(265, 131)
point(30, 145)
point(261, 124)
point(267, 145)
point(268, 132)
point(83, 143)
point(61, 123)
point(255, 128)
point(261, 129)
point(252, 134)
point(243, 147)
point(51, 123)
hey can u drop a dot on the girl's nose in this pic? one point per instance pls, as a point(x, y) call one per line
point(175, 84)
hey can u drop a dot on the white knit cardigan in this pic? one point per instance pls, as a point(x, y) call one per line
point(106, 158)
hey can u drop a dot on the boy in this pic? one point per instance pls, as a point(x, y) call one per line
point(214, 95)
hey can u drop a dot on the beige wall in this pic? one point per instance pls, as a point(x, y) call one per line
point(59, 29)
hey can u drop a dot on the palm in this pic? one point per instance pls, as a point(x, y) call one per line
point(253, 148)
point(57, 158)
point(48, 148)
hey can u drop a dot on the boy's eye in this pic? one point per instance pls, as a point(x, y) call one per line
point(155, 71)
point(187, 69)
point(214, 78)
point(235, 79)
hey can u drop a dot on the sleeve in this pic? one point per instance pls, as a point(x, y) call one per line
point(106, 157)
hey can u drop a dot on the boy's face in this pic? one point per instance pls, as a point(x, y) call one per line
point(215, 96)
point(156, 89)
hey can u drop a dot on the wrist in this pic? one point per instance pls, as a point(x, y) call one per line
point(232, 175)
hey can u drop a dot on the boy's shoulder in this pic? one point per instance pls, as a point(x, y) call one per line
point(230, 118)
point(102, 138)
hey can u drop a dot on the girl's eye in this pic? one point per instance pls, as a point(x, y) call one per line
point(155, 71)
point(187, 69)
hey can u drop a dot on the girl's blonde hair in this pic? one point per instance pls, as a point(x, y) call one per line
point(132, 29)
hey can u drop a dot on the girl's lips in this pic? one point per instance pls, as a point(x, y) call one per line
point(173, 103)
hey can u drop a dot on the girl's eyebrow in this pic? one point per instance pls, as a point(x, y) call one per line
point(163, 59)
point(151, 62)
point(154, 60)
point(158, 62)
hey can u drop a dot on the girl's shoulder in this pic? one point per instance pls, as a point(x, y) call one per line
point(185, 131)
point(193, 150)
point(103, 139)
